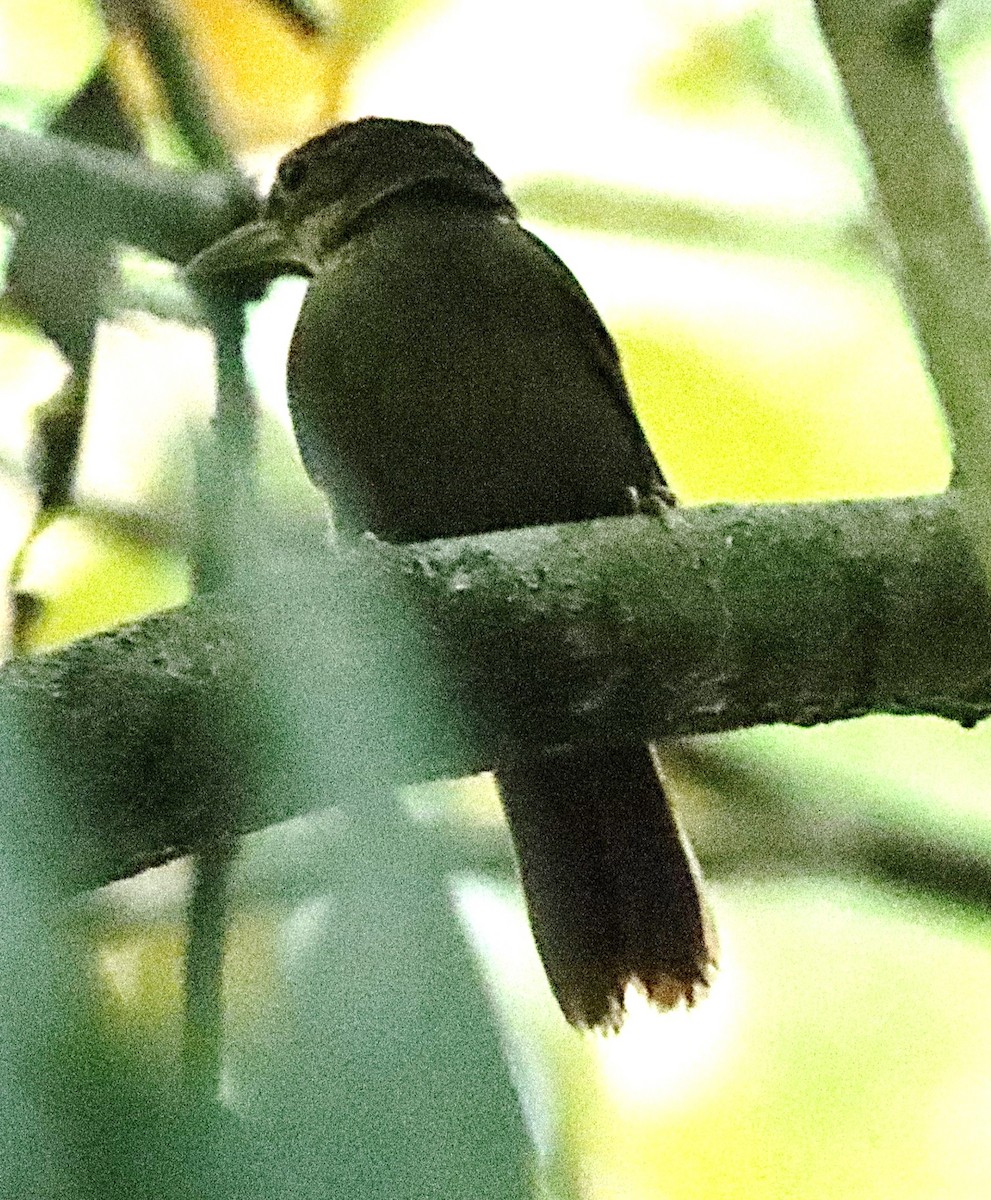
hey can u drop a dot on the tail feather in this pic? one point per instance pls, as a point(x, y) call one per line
point(611, 885)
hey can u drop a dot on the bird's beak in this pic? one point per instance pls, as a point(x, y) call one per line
point(259, 251)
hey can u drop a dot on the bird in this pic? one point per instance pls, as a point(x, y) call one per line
point(449, 376)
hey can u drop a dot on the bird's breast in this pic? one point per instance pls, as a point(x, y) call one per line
point(447, 387)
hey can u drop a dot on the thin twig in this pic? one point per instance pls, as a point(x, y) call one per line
point(630, 213)
point(179, 79)
point(206, 931)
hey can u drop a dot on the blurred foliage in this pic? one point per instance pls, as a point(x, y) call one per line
point(692, 163)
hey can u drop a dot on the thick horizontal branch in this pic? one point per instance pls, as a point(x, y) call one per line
point(169, 213)
point(703, 620)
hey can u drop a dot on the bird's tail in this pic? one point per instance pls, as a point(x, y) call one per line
point(611, 885)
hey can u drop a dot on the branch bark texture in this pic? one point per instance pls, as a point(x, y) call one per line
point(702, 620)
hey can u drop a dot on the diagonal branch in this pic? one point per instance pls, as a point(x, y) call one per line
point(885, 56)
point(166, 212)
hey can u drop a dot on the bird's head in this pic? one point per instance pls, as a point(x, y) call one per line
point(328, 187)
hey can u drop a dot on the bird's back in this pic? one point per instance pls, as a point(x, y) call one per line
point(460, 381)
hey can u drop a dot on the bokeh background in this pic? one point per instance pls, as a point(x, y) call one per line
point(692, 162)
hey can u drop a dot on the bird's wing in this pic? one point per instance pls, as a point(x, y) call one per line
point(607, 361)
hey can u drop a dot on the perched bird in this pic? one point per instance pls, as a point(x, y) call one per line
point(447, 376)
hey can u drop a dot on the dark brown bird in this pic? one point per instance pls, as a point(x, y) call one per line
point(449, 376)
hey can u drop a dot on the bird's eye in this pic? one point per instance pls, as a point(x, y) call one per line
point(292, 172)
